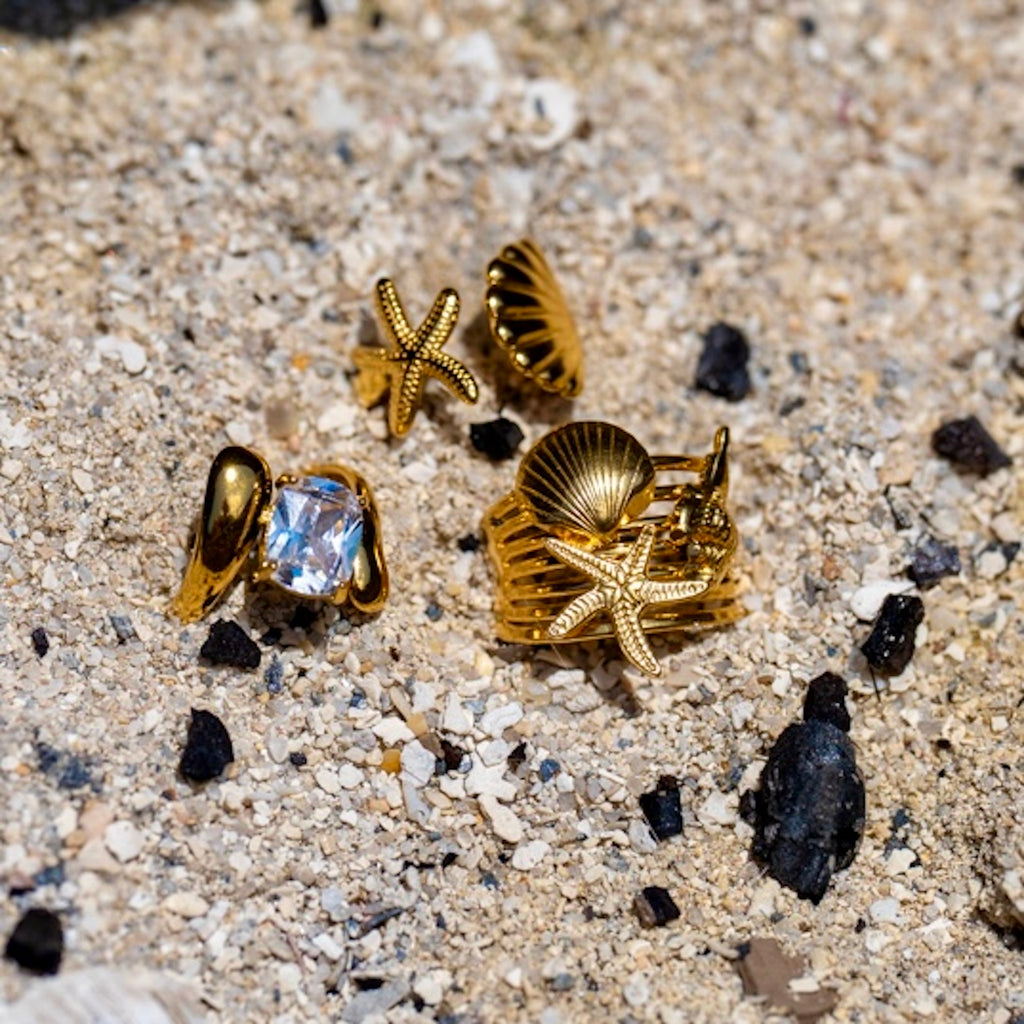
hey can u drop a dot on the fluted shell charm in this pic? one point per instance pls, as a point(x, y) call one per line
point(586, 479)
point(530, 319)
point(599, 539)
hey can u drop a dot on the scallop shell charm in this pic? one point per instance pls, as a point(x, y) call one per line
point(586, 479)
point(531, 321)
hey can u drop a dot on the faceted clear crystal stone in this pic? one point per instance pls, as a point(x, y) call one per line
point(313, 536)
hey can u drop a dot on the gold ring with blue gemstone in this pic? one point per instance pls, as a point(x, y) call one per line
point(314, 534)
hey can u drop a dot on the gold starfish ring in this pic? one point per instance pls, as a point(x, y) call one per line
point(623, 589)
point(596, 524)
point(414, 355)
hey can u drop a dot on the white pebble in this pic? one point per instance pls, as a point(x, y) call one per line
point(123, 840)
point(421, 472)
point(133, 357)
point(455, 720)
point(277, 747)
point(866, 601)
point(431, 987)
point(392, 731)
point(506, 825)
point(327, 779)
point(482, 780)
point(497, 720)
point(636, 991)
point(528, 856)
point(349, 776)
point(82, 480)
point(555, 102)
point(330, 949)
point(885, 911)
point(418, 763)
point(899, 860)
point(719, 809)
point(239, 432)
point(186, 904)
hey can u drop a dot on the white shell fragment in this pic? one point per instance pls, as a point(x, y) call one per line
point(107, 995)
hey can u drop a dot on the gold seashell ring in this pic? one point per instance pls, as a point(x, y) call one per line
point(597, 540)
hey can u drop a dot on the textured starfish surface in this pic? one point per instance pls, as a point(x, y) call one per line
point(413, 357)
point(624, 590)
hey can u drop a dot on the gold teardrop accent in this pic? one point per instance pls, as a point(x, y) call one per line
point(530, 319)
point(587, 479)
point(238, 491)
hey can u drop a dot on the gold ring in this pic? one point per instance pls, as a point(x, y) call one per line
point(315, 534)
point(530, 319)
point(413, 356)
point(597, 540)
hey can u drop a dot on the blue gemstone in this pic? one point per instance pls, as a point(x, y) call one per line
point(313, 536)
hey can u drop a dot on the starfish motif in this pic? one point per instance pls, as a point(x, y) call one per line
point(624, 590)
point(414, 356)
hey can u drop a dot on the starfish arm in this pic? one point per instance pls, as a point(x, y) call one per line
point(630, 635)
point(404, 401)
point(393, 315)
point(373, 374)
point(635, 563)
point(574, 614)
point(455, 377)
point(601, 569)
point(660, 591)
point(440, 321)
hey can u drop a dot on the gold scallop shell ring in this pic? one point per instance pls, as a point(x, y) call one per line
point(598, 539)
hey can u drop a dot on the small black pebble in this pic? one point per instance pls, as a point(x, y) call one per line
point(434, 611)
point(1017, 173)
point(298, 759)
point(722, 367)
point(517, 757)
point(123, 628)
point(229, 644)
point(890, 646)
point(317, 14)
point(808, 26)
point(497, 439)
point(932, 560)
point(471, 542)
point(1018, 325)
point(40, 641)
point(808, 813)
point(304, 616)
point(826, 701)
point(453, 755)
point(208, 749)
point(37, 942)
point(662, 809)
point(548, 769)
point(969, 446)
point(655, 906)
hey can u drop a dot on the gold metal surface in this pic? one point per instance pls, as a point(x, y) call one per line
point(231, 541)
point(237, 495)
point(658, 565)
point(530, 319)
point(413, 356)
